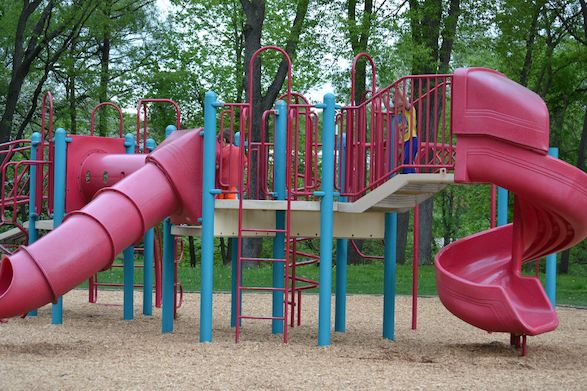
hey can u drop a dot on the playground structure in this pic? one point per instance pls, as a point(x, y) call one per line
point(475, 123)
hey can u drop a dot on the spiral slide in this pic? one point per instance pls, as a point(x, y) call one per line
point(89, 239)
point(502, 138)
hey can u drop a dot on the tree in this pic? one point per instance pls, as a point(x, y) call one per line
point(254, 11)
point(432, 36)
point(43, 30)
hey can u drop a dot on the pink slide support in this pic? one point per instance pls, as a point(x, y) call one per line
point(502, 138)
point(89, 239)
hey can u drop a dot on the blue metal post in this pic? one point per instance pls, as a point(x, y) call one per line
point(389, 264)
point(167, 294)
point(209, 167)
point(148, 258)
point(59, 169)
point(233, 263)
point(128, 254)
point(168, 269)
point(551, 259)
point(326, 219)
point(502, 206)
point(33, 234)
point(342, 246)
point(389, 257)
point(279, 169)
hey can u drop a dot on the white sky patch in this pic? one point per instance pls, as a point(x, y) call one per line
point(163, 6)
point(316, 94)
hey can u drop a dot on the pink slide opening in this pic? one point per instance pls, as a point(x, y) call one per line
point(89, 239)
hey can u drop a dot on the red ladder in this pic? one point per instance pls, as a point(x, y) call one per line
point(242, 288)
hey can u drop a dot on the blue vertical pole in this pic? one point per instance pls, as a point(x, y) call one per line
point(233, 292)
point(168, 270)
point(389, 265)
point(502, 206)
point(233, 263)
point(33, 234)
point(209, 168)
point(167, 294)
point(279, 169)
point(326, 219)
point(551, 259)
point(389, 256)
point(148, 258)
point(128, 254)
point(342, 246)
point(59, 169)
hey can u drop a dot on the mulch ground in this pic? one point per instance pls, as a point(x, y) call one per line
point(96, 349)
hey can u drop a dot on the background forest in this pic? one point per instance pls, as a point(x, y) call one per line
point(90, 51)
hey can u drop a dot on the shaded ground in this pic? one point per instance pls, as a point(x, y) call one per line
point(95, 348)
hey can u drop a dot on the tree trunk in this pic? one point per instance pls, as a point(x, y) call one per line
point(532, 31)
point(225, 251)
point(104, 68)
point(192, 249)
point(426, 24)
point(403, 221)
point(255, 16)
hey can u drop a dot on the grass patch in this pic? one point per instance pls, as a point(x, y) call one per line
point(361, 279)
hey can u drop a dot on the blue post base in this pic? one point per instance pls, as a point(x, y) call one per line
point(551, 278)
point(128, 282)
point(167, 294)
point(278, 274)
point(57, 312)
point(389, 275)
point(234, 271)
point(148, 265)
point(342, 246)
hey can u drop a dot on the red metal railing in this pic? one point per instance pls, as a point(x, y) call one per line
point(379, 132)
point(107, 104)
point(143, 106)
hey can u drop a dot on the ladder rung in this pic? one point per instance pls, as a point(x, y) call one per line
point(303, 279)
point(248, 259)
point(306, 263)
point(261, 288)
point(303, 288)
point(307, 255)
point(267, 230)
point(263, 317)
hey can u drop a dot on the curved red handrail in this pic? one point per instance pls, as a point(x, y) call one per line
point(143, 105)
point(362, 255)
point(104, 104)
point(354, 73)
point(297, 98)
point(289, 67)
